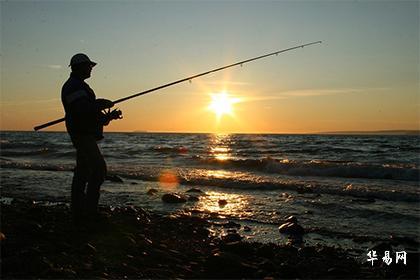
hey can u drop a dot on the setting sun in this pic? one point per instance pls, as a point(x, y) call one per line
point(221, 104)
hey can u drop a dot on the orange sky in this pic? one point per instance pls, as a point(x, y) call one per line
point(365, 75)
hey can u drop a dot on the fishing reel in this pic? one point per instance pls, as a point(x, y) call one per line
point(109, 115)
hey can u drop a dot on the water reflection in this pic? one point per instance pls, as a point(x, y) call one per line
point(222, 203)
point(220, 146)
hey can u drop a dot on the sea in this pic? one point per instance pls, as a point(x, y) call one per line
point(350, 191)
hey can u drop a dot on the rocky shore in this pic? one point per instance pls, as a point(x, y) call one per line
point(39, 241)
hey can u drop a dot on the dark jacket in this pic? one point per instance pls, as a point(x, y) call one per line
point(79, 101)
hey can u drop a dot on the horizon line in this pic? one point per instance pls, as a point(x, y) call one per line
point(362, 132)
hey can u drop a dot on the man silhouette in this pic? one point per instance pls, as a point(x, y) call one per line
point(84, 122)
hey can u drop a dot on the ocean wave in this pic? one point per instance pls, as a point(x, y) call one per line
point(233, 180)
point(321, 168)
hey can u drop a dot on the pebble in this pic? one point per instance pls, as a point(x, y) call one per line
point(193, 198)
point(173, 198)
point(152, 191)
point(247, 228)
point(194, 190)
point(291, 228)
point(222, 202)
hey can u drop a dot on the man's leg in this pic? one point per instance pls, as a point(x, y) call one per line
point(80, 178)
point(96, 178)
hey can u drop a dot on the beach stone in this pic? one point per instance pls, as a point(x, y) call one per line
point(222, 202)
point(193, 198)
point(304, 189)
point(89, 248)
point(152, 191)
point(291, 228)
point(173, 198)
point(194, 190)
point(232, 237)
point(247, 228)
point(291, 219)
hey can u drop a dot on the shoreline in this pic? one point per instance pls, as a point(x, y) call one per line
point(41, 242)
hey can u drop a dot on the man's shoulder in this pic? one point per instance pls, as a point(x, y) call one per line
point(71, 85)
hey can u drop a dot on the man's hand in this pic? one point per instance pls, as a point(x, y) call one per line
point(108, 115)
point(104, 103)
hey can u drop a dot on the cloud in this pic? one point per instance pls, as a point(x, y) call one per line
point(54, 66)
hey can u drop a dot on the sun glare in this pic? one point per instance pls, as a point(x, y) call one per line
point(222, 104)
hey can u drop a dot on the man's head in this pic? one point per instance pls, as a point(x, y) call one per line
point(81, 65)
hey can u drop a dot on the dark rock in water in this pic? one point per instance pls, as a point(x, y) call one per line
point(173, 198)
point(291, 228)
point(294, 239)
point(152, 191)
point(231, 237)
point(291, 219)
point(309, 212)
point(193, 198)
point(134, 183)
point(247, 228)
point(114, 178)
point(222, 202)
point(305, 189)
point(194, 190)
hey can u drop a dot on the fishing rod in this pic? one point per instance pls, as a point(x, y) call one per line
point(186, 79)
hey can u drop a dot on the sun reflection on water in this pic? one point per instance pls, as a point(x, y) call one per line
point(214, 202)
point(220, 146)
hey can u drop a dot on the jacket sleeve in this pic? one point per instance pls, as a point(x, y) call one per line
point(83, 110)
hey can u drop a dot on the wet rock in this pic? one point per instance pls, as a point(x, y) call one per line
point(291, 219)
point(222, 202)
point(294, 240)
point(195, 190)
point(193, 198)
point(114, 178)
point(247, 228)
point(89, 248)
point(152, 191)
point(173, 198)
point(291, 228)
point(304, 189)
point(231, 237)
point(309, 212)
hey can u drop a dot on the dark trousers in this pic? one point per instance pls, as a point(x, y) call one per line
point(89, 175)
